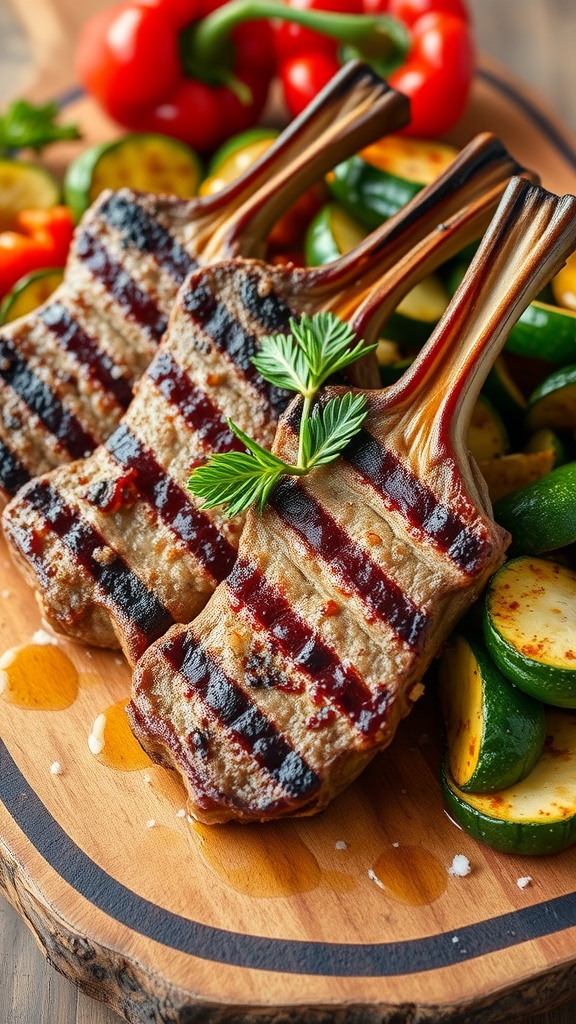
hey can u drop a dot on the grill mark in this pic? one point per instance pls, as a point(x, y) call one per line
point(140, 229)
point(229, 337)
point(13, 475)
point(322, 536)
point(340, 684)
point(135, 303)
point(176, 510)
point(416, 502)
point(234, 710)
point(100, 367)
point(195, 407)
point(58, 420)
point(268, 310)
point(147, 617)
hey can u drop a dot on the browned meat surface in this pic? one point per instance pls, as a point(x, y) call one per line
point(305, 659)
point(67, 370)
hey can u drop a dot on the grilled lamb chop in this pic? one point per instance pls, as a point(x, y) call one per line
point(118, 549)
point(304, 660)
point(67, 370)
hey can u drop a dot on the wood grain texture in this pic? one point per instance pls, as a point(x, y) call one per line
point(535, 39)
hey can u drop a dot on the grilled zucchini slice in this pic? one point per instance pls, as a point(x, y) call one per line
point(530, 628)
point(487, 436)
point(564, 284)
point(143, 161)
point(541, 516)
point(545, 440)
point(30, 292)
point(544, 332)
point(553, 403)
point(495, 731)
point(534, 816)
point(25, 186)
point(509, 473)
point(331, 233)
point(235, 156)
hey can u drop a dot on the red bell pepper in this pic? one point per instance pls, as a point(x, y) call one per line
point(200, 70)
point(41, 240)
point(436, 74)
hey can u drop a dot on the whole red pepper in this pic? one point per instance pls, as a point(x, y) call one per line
point(436, 75)
point(41, 239)
point(200, 69)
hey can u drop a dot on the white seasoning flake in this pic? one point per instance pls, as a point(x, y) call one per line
point(147, 778)
point(56, 768)
point(523, 882)
point(455, 938)
point(374, 878)
point(341, 845)
point(42, 637)
point(395, 845)
point(6, 594)
point(181, 813)
point(96, 737)
point(151, 823)
point(460, 866)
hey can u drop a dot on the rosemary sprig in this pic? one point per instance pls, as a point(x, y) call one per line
point(317, 348)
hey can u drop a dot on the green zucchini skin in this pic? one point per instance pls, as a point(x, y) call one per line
point(497, 737)
point(534, 589)
point(369, 193)
point(553, 402)
point(544, 332)
point(484, 816)
point(502, 391)
point(541, 516)
point(329, 229)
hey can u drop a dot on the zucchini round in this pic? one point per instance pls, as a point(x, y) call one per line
point(143, 161)
point(564, 284)
point(29, 292)
point(25, 186)
point(331, 233)
point(505, 395)
point(534, 816)
point(235, 156)
point(495, 731)
point(508, 473)
point(530, 628)
point(544, 332)
point(553, 402)
point(381, 179)
point(487, 436)
point(547, 440)
point(541, 516)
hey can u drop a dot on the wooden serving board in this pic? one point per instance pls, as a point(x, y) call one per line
point(350, 916)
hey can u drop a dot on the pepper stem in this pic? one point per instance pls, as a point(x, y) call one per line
point(372, 37)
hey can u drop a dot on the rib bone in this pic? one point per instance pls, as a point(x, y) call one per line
point(305, 659)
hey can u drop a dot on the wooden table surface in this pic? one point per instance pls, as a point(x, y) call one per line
point(534, 39)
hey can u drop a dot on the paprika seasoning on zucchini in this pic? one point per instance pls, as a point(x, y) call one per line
point(436, 73)
point(199, 70)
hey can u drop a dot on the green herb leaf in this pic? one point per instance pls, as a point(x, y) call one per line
point(234, 479)
point(281, 362)
point(25, 125)
point(328, 430)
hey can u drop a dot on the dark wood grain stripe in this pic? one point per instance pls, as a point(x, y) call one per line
point(139, 229)
point(195, 407)
point(98, 365)
point(171, 504)
point(340, 684)
point(230, 338)
point(41, 401)
point(137, 306)
point(412, 499)
point(350, 564)
point(143, 615)
point(13, 475)
point(234, 710)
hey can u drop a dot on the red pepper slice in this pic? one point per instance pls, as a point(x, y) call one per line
point(42, 240)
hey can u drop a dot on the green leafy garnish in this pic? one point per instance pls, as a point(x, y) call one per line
point(28, 126)
point(317, 348)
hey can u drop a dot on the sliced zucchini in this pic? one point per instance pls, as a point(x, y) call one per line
point(505, 395)
point(541, 516)
point(534, 816)
point(544, 332)
point(553, 403)
point(545, 440)
point(235, 156)
point(331, 233)
point(29, 293)
point(530, 628)
point(25, 186)
point(564, 284)
point(510, 472)
point(391, 372)
point(417, 314)
point(487, 437)
point(147, 162)
point(381, 179)
point(495, 731)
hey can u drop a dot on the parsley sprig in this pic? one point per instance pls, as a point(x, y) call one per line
point(26, 125)
point(317, 348)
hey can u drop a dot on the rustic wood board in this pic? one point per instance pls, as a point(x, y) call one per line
point(277, 922)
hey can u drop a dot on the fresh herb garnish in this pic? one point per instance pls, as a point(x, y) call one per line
point(317, 348)
point(27, 126)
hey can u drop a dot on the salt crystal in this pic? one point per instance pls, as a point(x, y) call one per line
point(374, 877)
point(147, 777)
point(181, 813)
point(523, 882)
point(150, 823)
point(56, 768)
point(42, 637)
point(460, 866)
point(341, 845)
point(96, 737)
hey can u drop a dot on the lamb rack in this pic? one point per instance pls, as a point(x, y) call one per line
point(67, 370)
point(115, 545)
point(305, 659)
